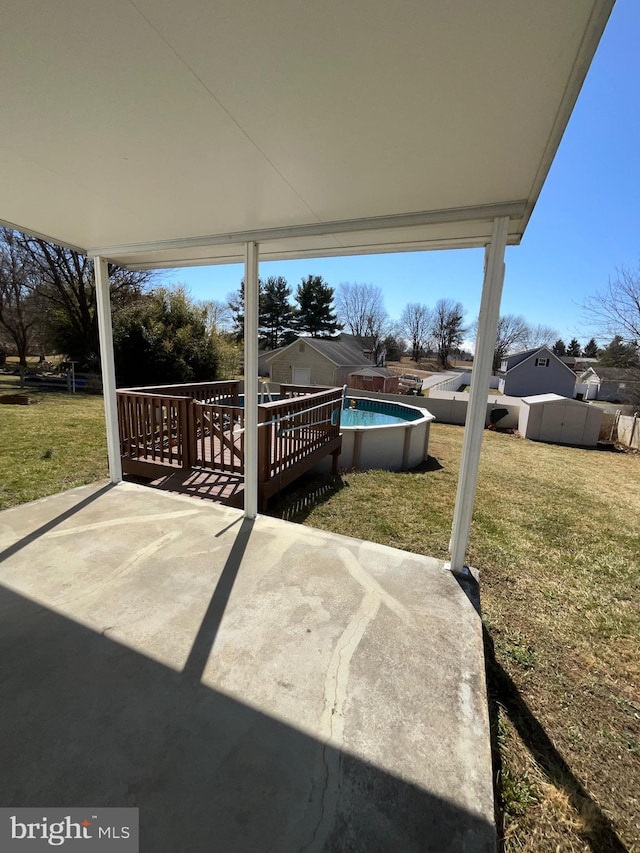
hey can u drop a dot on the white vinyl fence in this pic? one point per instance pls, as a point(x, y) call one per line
point(623, 429)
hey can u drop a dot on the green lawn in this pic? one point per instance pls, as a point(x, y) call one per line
point(556, 536)
point(55, 444)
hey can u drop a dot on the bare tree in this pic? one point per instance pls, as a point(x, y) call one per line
point(64, 281)
point(217, 315)
point(541, 335)
point(447, 327)
point(415, 322)
point(616, 309)
point(361, 309)
point(20, 308)
point(512, 334)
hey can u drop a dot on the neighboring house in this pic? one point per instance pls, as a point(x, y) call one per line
point(317, 361)
point(374, 379)
point(578, 363)
point(535, 371)
point(263, 360)
point(612, 384)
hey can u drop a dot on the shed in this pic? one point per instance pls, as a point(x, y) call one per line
point(559, 420)
point(374, 379)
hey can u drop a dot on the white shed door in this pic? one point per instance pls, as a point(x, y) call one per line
point(301, 376)
point(573, 425)
point(551, 422)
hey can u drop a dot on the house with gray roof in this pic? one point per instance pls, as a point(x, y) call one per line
point(612, 384)
point(535, 371)
point(317, 361)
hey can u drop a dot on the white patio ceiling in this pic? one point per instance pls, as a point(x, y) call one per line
point(158, 132)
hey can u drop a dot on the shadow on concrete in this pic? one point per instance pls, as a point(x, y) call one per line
point(208, 631)
point(298, 500)
point(87, 721)
point(602, 837)
point(54, 522)
point(470, 586)
point(220, 487)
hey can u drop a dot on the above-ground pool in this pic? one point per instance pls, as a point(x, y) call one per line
point(383, 434)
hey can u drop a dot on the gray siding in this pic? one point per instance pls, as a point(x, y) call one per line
point(526, 380)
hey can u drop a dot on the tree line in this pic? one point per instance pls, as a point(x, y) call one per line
point(48, 304)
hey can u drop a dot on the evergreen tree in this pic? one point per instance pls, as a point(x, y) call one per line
point(315, 308)
point(276, 313)
point(236, 308)
point(574, 348)
point(617, 353)
point(559, 348)
point(591, 349)
point(393, 348)
point(163, 338)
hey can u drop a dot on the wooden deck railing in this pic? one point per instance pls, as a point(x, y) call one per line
point(219, 434)
point(171, 427)
point(154, 432)
point(294, 434)
point(205, 392)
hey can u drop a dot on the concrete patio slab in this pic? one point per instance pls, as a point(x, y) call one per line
point(250, 686)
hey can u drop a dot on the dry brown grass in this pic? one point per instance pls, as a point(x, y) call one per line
point(556, 536)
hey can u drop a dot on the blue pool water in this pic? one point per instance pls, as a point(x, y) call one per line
point(376, 413)
point(357, 417)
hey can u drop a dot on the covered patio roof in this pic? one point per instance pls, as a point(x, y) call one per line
point(150, 133)
point(160, 134)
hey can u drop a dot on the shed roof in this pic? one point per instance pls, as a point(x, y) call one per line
point(545, 399)
point(158, 133)
point(374, 371)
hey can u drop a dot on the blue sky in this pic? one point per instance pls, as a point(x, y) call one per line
point(586, 223)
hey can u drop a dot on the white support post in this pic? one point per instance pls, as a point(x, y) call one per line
point(105, 332)
point(477, 408)
point(251, 299)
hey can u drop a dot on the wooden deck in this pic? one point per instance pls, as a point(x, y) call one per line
point(192, 436)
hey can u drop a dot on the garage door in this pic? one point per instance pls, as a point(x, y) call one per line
point(301, 376)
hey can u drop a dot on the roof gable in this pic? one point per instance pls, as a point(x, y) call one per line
point(340, 352)
point(543, 352)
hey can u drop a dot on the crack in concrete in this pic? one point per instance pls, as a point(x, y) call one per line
point(332, 719)
point(331, 728)
point(116, 522)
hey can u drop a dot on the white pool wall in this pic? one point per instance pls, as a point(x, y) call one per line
point(391, 447)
